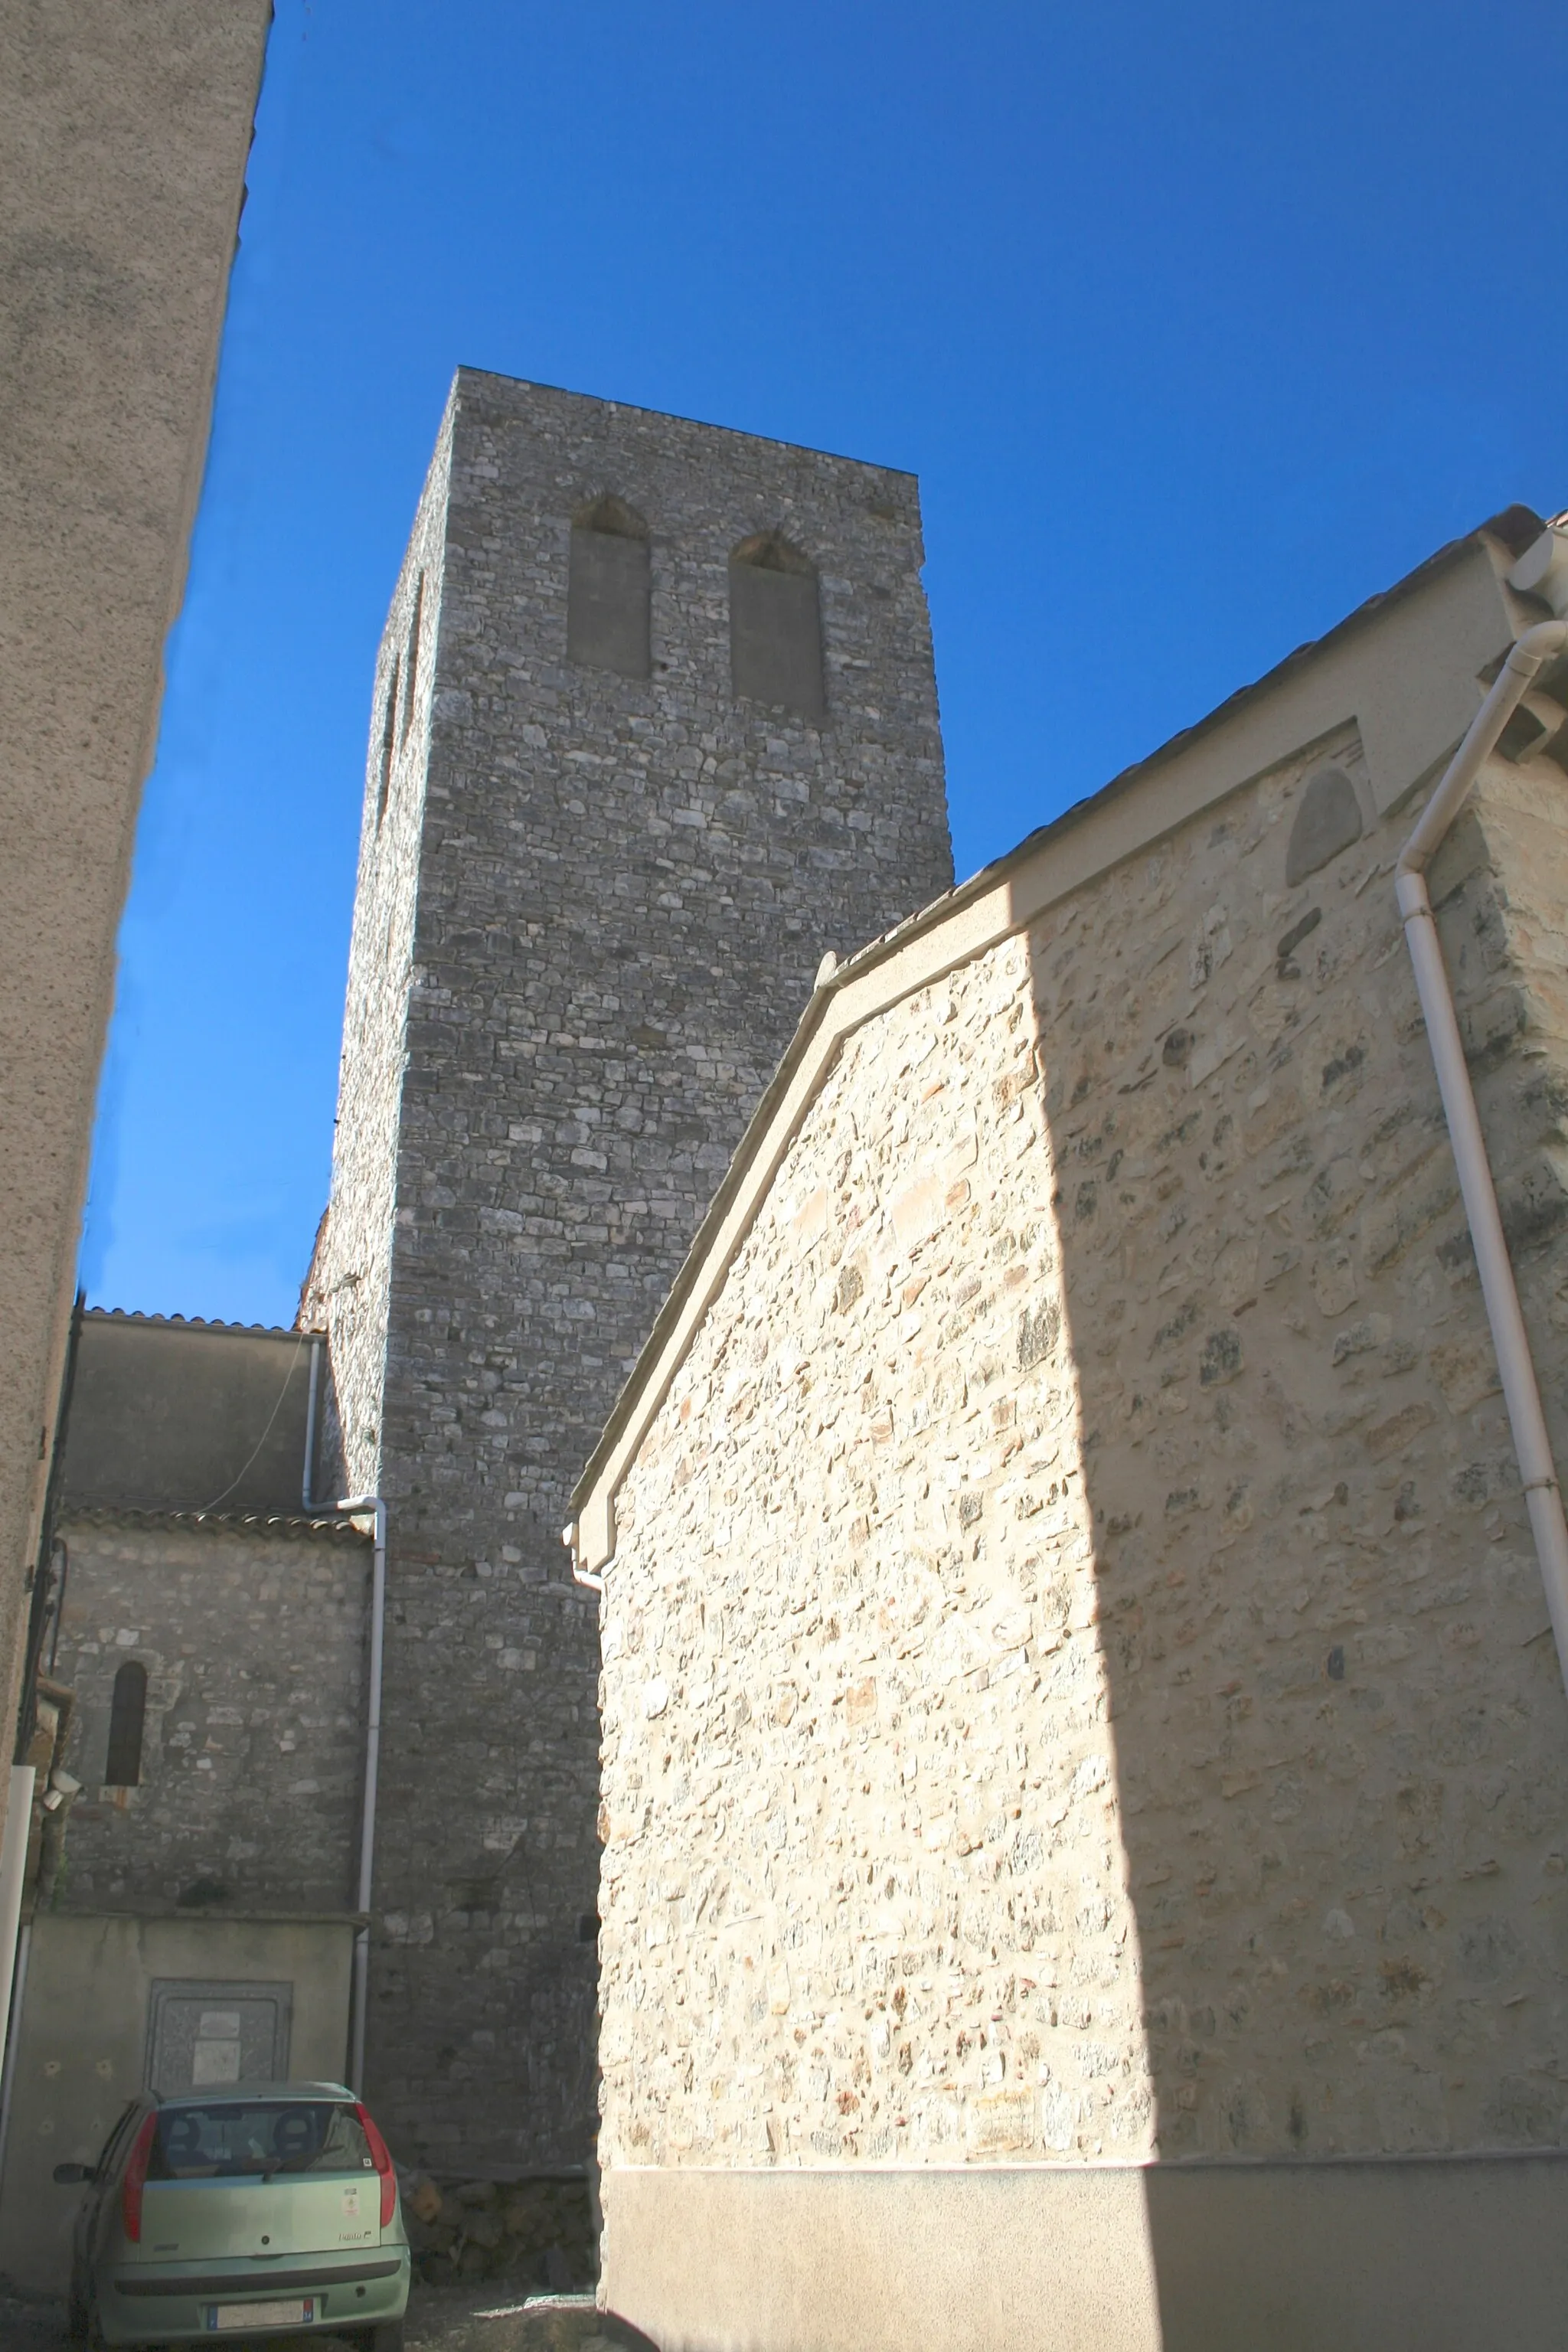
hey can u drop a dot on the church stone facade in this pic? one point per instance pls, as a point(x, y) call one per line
point(1084, 1758)
point(654, 730)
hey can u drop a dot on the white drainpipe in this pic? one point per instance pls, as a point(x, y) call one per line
point(14, 2042)
point(1521, 1393)
point(361, 1987)
point(13, 1872)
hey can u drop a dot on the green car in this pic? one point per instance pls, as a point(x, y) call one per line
point(258, 2211)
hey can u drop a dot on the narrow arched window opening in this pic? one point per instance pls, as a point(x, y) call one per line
point(388, 746)
point(411, 665)
point(608, 590)
point(1328, 820)
point(775, 626)
point(127, 1719)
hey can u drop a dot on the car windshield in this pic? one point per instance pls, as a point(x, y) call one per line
point(267, 2136)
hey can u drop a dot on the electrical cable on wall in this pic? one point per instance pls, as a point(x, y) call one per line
point(267, 1433)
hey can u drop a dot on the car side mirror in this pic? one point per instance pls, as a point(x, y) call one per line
point(71, 2175)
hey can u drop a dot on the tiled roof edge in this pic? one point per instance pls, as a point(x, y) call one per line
point(192, 1323)
point(279, 1523)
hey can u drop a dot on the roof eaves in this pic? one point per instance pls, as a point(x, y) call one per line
point(190, 1323)
point(278, 1523)
point(1515, 527)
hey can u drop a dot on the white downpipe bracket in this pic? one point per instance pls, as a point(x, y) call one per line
point(360, 1992)
point(581, 1575)
point(1521, 1392)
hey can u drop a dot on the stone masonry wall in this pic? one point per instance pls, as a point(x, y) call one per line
point(623, 888)
point(347, 1290)
point(253, 1749)
point(1077, 1682)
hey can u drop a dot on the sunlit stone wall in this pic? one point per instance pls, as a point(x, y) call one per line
point(1077, 1682)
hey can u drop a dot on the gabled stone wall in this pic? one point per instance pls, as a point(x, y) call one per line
point(1076, 1684)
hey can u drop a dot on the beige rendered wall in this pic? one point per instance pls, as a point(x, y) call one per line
point(84, 2039)
point(124, 131)
point(1077, 1685)
point(1420, 2255)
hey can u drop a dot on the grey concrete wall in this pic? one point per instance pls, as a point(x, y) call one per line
point(254, 1641)
point(177, 1416)
point(83, 2040)
point(124, 133)
point(1437, 2256)
point(589, 916)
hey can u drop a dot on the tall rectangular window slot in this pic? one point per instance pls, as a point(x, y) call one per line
point(411, 666)
point(127, 1717)
point(775, 626)
point(608, 591)
point(388, 746)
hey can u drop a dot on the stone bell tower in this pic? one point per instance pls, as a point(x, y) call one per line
point(655, 725)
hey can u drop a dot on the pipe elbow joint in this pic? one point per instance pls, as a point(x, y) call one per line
point(1410, 891)
point(1539, 645)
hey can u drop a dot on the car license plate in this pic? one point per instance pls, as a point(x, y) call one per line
point(226, 2315)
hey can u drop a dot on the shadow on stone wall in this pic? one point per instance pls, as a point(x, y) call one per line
point(1335, 1710)
point(535, 2075)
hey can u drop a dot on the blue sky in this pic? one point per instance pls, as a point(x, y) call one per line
point(1199, 324)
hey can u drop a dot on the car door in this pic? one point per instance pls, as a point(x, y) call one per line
point(87, 2235)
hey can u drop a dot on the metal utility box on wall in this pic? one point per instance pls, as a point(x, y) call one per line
point(202, 2034)
point(111, 2002)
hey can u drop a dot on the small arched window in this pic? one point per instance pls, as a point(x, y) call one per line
point(776, 624)
point(127, 1717)
point(411, 663)
point(1328, 821)
point(608, 591)
point(388, 746)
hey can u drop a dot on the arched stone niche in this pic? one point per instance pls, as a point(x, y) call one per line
point(1327, 822)
point(776, 624)
point(608, 590)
